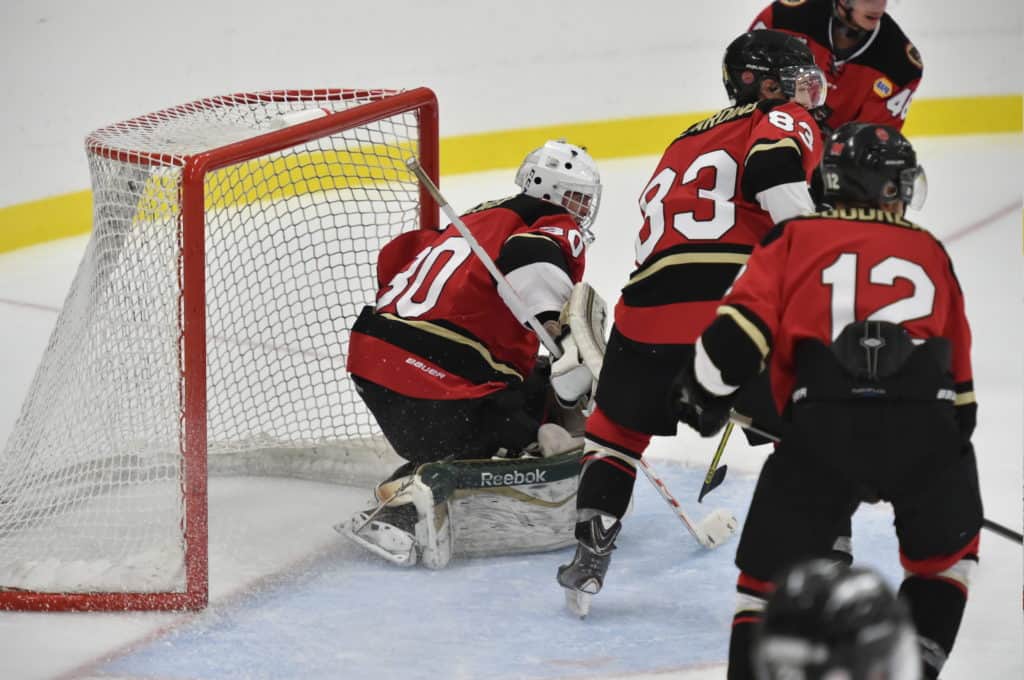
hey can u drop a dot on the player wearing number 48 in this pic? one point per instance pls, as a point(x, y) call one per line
point(717, 190)
point(860, 318)
point(872, 68)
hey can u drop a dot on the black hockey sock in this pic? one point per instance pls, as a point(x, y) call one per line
point(752, 596)
point(606, 484)
point(937, 608)
point(740, 645)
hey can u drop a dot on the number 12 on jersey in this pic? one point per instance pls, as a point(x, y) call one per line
point(841, 278)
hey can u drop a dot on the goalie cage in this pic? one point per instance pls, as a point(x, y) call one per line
point(234, 240)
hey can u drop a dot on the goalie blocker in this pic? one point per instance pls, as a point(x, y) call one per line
point(475, 507)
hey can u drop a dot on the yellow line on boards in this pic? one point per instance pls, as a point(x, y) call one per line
point(70, 214)
point(965, 116)
point(47, 219)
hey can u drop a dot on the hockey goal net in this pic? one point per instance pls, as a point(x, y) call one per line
point(234, 242)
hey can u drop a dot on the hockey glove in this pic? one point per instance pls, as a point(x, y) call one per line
point(695, 406)
point(571, 380)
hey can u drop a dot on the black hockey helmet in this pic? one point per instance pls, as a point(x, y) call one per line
point(827, 620)
point(763, 54)
point(872, 164)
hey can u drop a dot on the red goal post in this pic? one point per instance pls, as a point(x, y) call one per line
point(233, 243)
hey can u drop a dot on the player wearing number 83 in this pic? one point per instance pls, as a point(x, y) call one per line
point(717, 190)
point(860, 318)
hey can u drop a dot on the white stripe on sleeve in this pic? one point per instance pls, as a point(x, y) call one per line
point(542, 286)
point(708, 375)
point(784, 201)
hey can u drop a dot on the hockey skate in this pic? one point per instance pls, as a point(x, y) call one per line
point(387, 532)
point(406, 527)
point(584, 576)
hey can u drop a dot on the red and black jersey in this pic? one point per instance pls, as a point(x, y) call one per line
point(440, 329)
point(815, 274)
point(873, 84)
point(702, 217)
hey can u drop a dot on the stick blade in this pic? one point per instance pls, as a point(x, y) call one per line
point(716, 479)
point(716, 528)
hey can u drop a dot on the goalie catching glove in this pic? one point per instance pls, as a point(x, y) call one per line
point(574, 374)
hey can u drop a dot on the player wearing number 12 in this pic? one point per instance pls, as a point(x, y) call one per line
point(717, 190)
point(860, 318)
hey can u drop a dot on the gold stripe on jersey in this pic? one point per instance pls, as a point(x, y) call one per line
point(531, 235)
point(964, 398)
point(752, 331)
point(452, 336)
point(689, 258)
point(785, 142)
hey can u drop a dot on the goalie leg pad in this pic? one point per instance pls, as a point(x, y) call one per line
point(583, 321)
point(587, 315)
point(434, 528)
point(502, 507)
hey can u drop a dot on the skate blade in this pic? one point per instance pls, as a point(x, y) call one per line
point(578, 602)
point(402, 555)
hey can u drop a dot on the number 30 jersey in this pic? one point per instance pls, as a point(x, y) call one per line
point(703, 214)
point(816, 274)
point(440, 329)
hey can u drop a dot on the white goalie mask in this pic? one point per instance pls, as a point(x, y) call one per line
point(566, 175)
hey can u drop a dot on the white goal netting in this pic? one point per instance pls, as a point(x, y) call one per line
point(94, 478)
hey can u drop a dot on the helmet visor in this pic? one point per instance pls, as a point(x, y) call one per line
point(806, 85)
point(582, 203)
point(913, 187)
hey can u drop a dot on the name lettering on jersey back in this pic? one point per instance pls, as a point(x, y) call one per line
point(722, 116)
point(867, 215)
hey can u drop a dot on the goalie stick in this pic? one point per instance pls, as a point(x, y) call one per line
point(711, 531)
point(746, 422)
point(508, 293)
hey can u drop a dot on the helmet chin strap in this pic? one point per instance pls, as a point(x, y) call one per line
point(843, 10)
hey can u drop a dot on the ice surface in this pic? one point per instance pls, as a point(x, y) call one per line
point(290, 599)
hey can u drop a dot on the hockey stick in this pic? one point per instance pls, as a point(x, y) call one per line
point(508, 293)
point(994, 527)
point(1005, 532)
point(716, 475)
point(710, 531)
